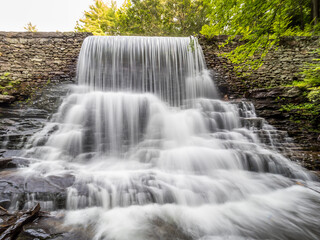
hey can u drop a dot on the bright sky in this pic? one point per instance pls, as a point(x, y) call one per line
point(47, 15)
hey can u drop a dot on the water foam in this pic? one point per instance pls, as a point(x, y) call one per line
point(155, 154)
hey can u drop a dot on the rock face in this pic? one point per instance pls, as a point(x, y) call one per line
point(265, 88)
point(19, 191)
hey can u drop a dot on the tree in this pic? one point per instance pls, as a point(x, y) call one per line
point(145, 17)
point(260, 23)
point(100, 19)
point(141, 17)
point(184, 17)
point(30, 27)
point(315, 11)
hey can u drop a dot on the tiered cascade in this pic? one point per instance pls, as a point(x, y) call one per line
point(155, 155)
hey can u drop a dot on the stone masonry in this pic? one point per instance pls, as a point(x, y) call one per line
point(267, 87)
point(280, 67)
point(29, 59)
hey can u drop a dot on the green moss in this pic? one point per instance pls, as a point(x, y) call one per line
point(308, 112)
point(301, 84)
point(307, 115)
point(291, 106)
point(8, 85)
point(314, 95)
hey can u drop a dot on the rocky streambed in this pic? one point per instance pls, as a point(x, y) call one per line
point(19, 122)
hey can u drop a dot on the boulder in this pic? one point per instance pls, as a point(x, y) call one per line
point(6, 99)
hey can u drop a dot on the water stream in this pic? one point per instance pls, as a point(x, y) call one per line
point(152, 153)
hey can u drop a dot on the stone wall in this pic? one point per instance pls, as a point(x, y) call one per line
point(30, 60)
point(33, 59)
point(280, 67)
point(266, 88)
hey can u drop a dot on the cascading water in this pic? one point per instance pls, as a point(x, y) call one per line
point(155, 155)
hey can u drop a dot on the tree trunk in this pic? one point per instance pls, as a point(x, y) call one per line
point(315, 11)
point(301, 16)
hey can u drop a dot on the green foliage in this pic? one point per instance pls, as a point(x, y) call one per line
point(314, 95)
point(141, 18)
point(260, 25)
point(306, 113)
point(5, 78)
point(291, 106)
point(184, 17)
point(311, 81)
point(30, 28)
point(310, 110)
point(8, 84)
point(145, 17)
point(312, 73)
point(100, 19)
point(252, 53)
point(191, 46)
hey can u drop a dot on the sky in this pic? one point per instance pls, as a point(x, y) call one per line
point(47, 15)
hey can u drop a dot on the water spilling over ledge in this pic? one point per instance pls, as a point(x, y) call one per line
point(172, 68)
point(143, 149)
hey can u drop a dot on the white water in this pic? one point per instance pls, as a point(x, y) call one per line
point(155, 155)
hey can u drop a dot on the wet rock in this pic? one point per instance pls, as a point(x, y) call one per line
point(6, 163)
point(37, 233)
point(265, 86)
point(49, 191)
point(19, 122)
point(265, 93)
point(5, 203)
point(165, 230)
point(293, 92)
point(52, 227)
point(6, 99)
point(14, 225)
point(256, 123)
point(2, 151)
point(274, 93)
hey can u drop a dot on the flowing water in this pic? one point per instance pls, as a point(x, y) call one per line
point(154, 154)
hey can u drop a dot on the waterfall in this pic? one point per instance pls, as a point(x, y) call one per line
point(167, 67)
point(154, 154)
